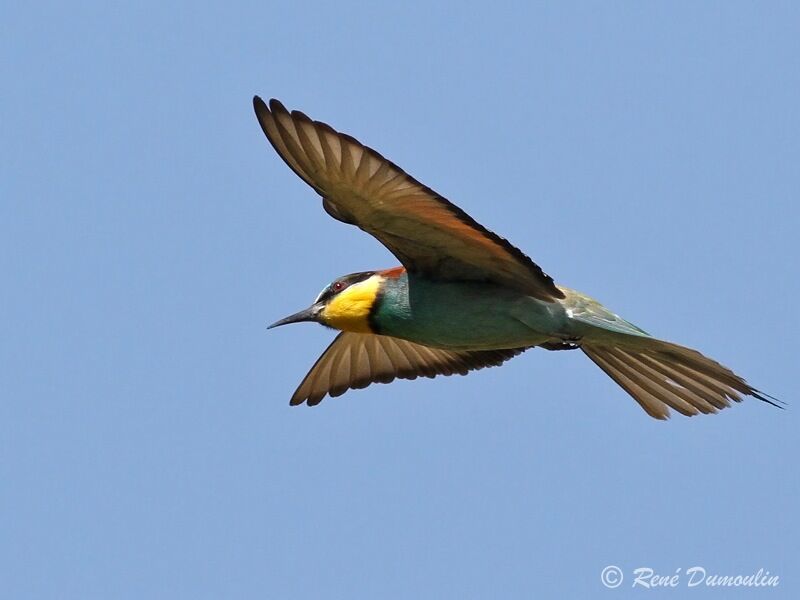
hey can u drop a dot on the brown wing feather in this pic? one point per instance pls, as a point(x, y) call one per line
point(429, 234)
point(355, 360)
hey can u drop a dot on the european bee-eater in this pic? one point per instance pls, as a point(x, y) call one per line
point(464, 298)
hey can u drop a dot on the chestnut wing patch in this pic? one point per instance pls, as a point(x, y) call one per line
point(430, 235)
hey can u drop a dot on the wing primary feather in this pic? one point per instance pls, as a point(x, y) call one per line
point(355, 360)
point(309, 140)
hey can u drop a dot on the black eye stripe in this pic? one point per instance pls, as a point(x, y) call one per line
point(343, 283)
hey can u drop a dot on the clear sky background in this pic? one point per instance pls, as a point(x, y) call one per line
point(645, 154)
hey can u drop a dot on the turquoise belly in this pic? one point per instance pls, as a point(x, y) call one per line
point(465, 315)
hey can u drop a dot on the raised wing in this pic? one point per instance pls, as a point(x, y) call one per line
point(430, 235)
point(355, 360)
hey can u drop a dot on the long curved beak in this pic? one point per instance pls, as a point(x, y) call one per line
point(308, 314)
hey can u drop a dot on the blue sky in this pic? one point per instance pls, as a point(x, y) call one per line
point(645, 154)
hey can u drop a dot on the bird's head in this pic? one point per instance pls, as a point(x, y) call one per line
point(345, 304)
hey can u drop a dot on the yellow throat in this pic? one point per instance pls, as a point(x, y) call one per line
point(349, 310)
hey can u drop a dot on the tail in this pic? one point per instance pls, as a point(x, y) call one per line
point(661, 375)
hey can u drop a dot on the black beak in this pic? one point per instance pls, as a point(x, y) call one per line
point(308, 314)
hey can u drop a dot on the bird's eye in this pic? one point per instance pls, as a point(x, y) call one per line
point(337, 286)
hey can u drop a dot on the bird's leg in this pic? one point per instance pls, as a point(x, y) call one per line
point(562, 344)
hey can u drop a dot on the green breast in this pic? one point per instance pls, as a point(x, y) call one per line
point(463, 315)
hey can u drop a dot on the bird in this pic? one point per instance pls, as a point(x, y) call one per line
point(463, 298)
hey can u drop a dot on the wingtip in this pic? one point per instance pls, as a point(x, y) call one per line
point(261, 110)
point(273, 106)
point(276, 106)
point(311, 400)
point(314, 400)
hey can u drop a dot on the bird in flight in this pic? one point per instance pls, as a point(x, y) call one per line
point(464, 297)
